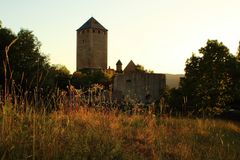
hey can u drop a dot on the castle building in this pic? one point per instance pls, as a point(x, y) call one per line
point(119, 67)
point(92, 45)
point(141, 86)
point(92, 54)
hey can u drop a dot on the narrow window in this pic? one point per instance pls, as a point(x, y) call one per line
point(128, 80)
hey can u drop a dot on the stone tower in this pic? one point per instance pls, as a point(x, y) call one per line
point(119, 66)
point(92, 45)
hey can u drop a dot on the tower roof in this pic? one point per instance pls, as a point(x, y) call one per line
point(119, 62)
point(131, 67)
point(93, 24)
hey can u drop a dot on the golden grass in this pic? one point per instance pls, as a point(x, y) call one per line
point(91, 134)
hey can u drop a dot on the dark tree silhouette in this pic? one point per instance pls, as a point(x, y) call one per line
point(208, 83)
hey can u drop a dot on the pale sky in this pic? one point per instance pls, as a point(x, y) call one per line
point(158, 34)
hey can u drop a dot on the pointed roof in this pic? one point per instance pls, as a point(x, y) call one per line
point(119, 62)
point(92, 23)
point(131, 67)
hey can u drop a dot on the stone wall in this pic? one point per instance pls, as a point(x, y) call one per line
point(143, 87)
point(91, 49)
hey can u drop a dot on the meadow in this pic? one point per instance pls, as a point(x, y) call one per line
point(38, 124)
point(88, 133)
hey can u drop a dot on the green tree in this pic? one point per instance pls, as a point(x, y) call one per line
point(175, 99)
point(87, 77)
point(61, 76)
point(208, 83)
point(140, 68)
point(6, 37)
point(29, 69)
point(57, 76)
point(27, 63)
point(238, 52)
point(234, 70)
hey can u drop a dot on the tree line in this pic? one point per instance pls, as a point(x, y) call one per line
point(27, 69)
point(210, 85)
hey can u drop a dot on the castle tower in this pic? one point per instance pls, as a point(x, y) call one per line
point(92, 45)
point(119, 66)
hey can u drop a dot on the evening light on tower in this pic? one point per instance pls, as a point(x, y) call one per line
point(126, 79)
point(92, 45)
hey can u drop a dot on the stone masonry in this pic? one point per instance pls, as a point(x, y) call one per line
point(92, 54)
point(144, 87)
point(92, 45)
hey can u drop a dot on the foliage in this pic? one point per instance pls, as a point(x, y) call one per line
point(58, 76)
point(140, 68)
point(6, 37)
point(28, 67)
point(234, 70)
point(175, 99)
point(29, 80)
point(238, 52)
point(208, 81)
point(87, 77)
point(26, 61)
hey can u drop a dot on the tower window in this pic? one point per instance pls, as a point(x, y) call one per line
point(93, 31)
point(128, 81)
point(82, 32)
point(83, 41)
point(99, 32)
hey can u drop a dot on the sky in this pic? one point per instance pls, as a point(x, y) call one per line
point(158, 34)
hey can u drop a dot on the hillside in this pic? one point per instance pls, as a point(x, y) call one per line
point(91, 134)
point(172, 80)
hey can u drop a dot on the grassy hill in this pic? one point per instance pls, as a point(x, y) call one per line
point(172, 80)
point(91, 134)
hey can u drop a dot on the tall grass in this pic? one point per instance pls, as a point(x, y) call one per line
point(91, 134)
point(84, 126)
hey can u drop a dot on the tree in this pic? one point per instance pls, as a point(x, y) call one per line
point(27, 63)
point(208, 83)
point(238, 52)
point(234, 70)
point(26, 59)
point(61, 76)
point(6, 37)
point(140, 68)
point(30, 77)
point(87, 77)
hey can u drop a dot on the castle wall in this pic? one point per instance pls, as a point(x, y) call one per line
point(140, 86)
point(91, 49)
